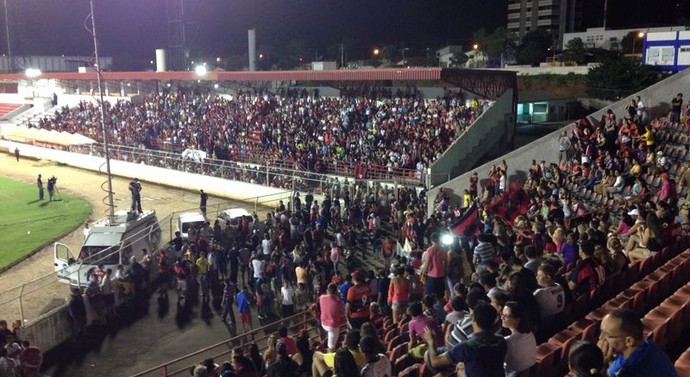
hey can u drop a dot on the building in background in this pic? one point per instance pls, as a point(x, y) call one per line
point(611, 39)
point(555, 16)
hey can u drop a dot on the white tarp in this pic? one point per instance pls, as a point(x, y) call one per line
point(194, 155)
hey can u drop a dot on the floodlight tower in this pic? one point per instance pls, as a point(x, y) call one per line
point(177, 36)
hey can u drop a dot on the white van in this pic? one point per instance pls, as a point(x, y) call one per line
point(188, 220)
point(233, 213)
point(110, 244)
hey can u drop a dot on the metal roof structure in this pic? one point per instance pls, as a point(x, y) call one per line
point(484, 82)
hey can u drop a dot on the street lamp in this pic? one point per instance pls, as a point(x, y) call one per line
point(376, 52)
point(475, 46)
point(639, 35)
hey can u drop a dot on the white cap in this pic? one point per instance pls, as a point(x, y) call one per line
point(634, 212)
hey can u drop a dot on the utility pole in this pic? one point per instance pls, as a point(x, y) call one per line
point(342, 54)
point(10, 58)
point(606, 7)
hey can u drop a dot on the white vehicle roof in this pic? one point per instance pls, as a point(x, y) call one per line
point(192, 217)
point(233, 213)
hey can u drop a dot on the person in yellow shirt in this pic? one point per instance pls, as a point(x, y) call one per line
point(202, 269)
point(648, 136)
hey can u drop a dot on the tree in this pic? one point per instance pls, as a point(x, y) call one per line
point(575, 50)
point(458, 59)
point(620, 76)
point(534, 47)
point(631, 43)
point(493, 44)
point(391, 53)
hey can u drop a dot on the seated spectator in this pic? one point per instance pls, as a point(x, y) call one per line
point(377, 364)
point(518, 291)
point(324, 362)
point(522, 346)
point(284, 366)
point(345, 364)
point(551, 296)
point(483, 354)
point(420, 323)
point(452, 318)
point(585, 360)
point(623, 342)
point(289, 341)
point(649, 239)
point(583, 278)
point(271, 353)
point(368, 329)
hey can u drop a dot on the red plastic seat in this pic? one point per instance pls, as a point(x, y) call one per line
point(548, 359)
point(411, 371)
point(398, 351)
point(396, 341)
point(563, 336)
point(390, 334)
point(591, 333)
point(402, 363)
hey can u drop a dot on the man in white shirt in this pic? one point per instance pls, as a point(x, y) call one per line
point(266, 245)
point(551, 296)
point(258, 267)
point(287, 299)
point(640, 109)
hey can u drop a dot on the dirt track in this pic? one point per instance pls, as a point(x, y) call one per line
point(48, 293)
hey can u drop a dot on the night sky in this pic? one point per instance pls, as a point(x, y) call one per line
point(131, 30)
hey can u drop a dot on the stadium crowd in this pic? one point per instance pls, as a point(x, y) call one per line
point(371, 129)
point(481, 300)
point(484, 276)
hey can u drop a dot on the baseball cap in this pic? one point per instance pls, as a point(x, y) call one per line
point(634, 212)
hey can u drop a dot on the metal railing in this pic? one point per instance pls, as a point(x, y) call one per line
point(264, 166)
point(257, 336)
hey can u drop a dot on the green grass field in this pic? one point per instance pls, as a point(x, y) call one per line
point(27, 224)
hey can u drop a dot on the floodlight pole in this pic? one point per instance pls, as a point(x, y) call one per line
point(111, 205)
point(10, 58)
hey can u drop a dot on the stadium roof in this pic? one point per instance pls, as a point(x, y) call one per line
point(485, 82)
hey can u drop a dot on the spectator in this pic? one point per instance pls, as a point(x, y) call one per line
point(418, 325)
point(377, 364)
point(332, 315)
point(551, 296)
point(522, 346)
point(243, 308)
point(357, 307)
point(622, 341)
point(585, 360)
point(284, 366)
point(7, 366)
point(583, 279)
point(289, 342)
point(434, 262)
point(325, 361)
point(304, 355)
point(271, 353)
point(483, 355)
point(398, 294)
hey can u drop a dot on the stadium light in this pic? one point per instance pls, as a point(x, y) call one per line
point(33, 72)
point(200, 70)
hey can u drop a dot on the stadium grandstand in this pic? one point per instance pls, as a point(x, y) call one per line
point(544, 247)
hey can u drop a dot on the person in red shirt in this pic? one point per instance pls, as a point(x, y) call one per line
point(357, 307)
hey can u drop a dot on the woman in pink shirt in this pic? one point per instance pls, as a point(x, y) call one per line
point(332, 314)
point(398, 294)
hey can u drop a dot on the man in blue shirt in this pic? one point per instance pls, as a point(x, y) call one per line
point(632, 355)
point(243, 307)
point(345, 287)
